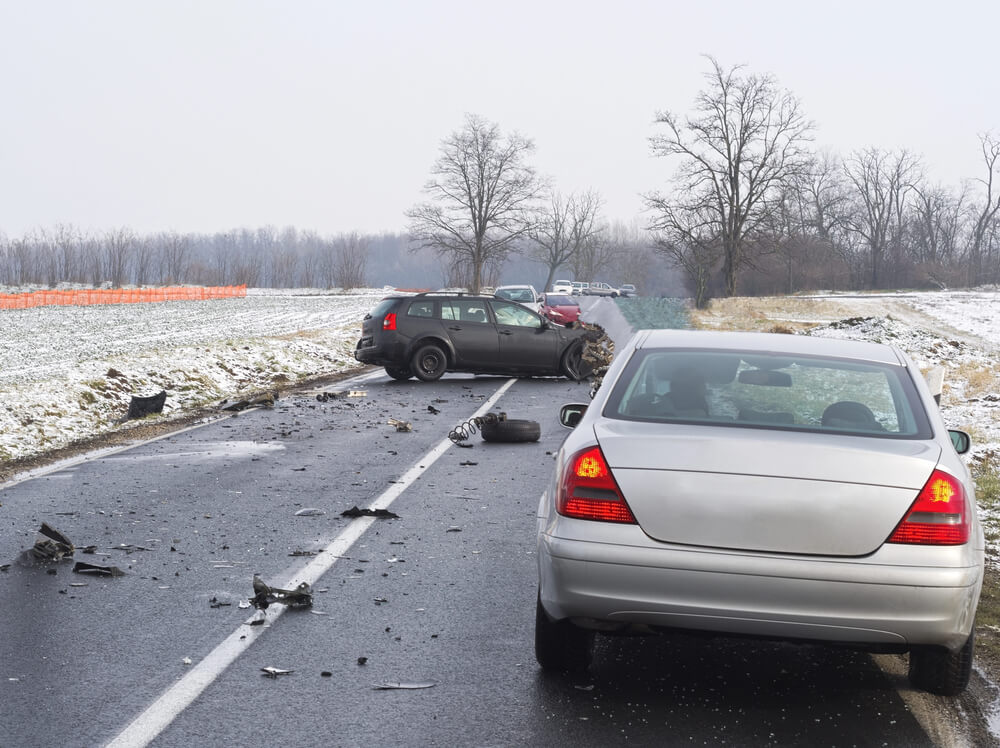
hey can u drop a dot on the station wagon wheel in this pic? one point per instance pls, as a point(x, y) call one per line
point(937, 670)
point(561, 645)
point(429, 363)
point(402, 373)
point(573, 366)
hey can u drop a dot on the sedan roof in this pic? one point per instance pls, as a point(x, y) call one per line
point(764, 341)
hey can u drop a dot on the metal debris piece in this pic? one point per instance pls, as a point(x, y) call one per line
point(82, 567)
point(380, 513)
point(468, 463)
point(310, 512)
point(302, 553)
point(217, 603)
point(127, 547)
point(400, 425)
point(403, 686)
point(265, 595)
point(454, 528)
point(465, 430)
point(362, 660)
point(324, 396)
point(260, 400)
point(51, 545)
point(598, 352)
point(142, 406)
point(432, 409)
point(274, 672)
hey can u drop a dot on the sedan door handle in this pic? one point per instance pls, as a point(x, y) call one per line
point(506, 332)
point(455, 327)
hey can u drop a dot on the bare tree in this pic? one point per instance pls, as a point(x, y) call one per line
point(567, 229)
point(118, 248)
point(936, 221)
point(746, 138)
point(880, 183)
point(224, 255)
point(987, 210)
point(482, 196)
point(350, 260)
point(174, 252)
point(688, 234)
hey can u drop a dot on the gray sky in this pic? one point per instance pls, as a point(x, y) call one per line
point(203, 116)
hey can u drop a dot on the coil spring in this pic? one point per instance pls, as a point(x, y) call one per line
point(465, 430)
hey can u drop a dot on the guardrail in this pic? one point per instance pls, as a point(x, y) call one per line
point(86, 296)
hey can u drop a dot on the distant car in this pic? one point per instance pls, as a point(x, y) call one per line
point(627, 289)
point(562, 286)
point(579, 288)
point(526, 295)
point(561, 308)
point(601, 289)
point(430, 333)
point(762, 485)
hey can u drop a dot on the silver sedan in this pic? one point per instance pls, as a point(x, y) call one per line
point(768, 485)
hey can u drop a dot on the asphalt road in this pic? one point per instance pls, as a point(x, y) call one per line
point(442, 597)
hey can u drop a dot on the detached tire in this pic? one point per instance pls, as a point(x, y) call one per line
point(429, 363)
point(561, 646)
point(398, 372)
point(942, 672)
point(511, 430)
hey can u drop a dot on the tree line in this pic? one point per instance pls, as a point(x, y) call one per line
point(750, 206)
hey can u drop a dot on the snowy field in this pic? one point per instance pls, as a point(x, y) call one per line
point(69, 372)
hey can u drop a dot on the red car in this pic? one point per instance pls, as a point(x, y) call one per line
point(560, 308)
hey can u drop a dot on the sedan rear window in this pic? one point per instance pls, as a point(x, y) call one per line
point(765, 390)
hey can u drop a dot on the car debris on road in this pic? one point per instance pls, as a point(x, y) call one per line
point(274, 672)
point(265, 595)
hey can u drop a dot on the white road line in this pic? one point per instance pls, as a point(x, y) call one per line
point(148, 725)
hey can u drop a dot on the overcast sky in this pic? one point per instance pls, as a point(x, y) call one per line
point(203, 116)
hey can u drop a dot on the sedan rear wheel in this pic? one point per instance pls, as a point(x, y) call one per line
point(573, 366)
point(429, 363)
point(561, 645)
point(940, 671)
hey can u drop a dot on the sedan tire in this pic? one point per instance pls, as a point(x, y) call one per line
point(942, 672)
point(429, 363)
point(573, 366)
point(511, 430)
point(561, 646)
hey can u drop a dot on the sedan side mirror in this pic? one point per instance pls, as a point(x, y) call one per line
point(960, 440)
point(570, 415)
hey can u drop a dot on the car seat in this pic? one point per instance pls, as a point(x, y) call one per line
point(850, 415)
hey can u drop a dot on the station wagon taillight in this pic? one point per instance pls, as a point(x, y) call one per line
point(389, 322)
point(587, 490)
point(938, 516)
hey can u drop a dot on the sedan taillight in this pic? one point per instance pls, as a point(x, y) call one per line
point(938, 516)
point(587, 490)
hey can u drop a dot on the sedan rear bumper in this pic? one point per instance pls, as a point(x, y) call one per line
point(863, 602)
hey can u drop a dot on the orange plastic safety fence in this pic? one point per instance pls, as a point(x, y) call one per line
point(87, 296)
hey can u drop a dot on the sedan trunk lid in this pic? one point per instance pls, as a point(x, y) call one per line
point(766, 490)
